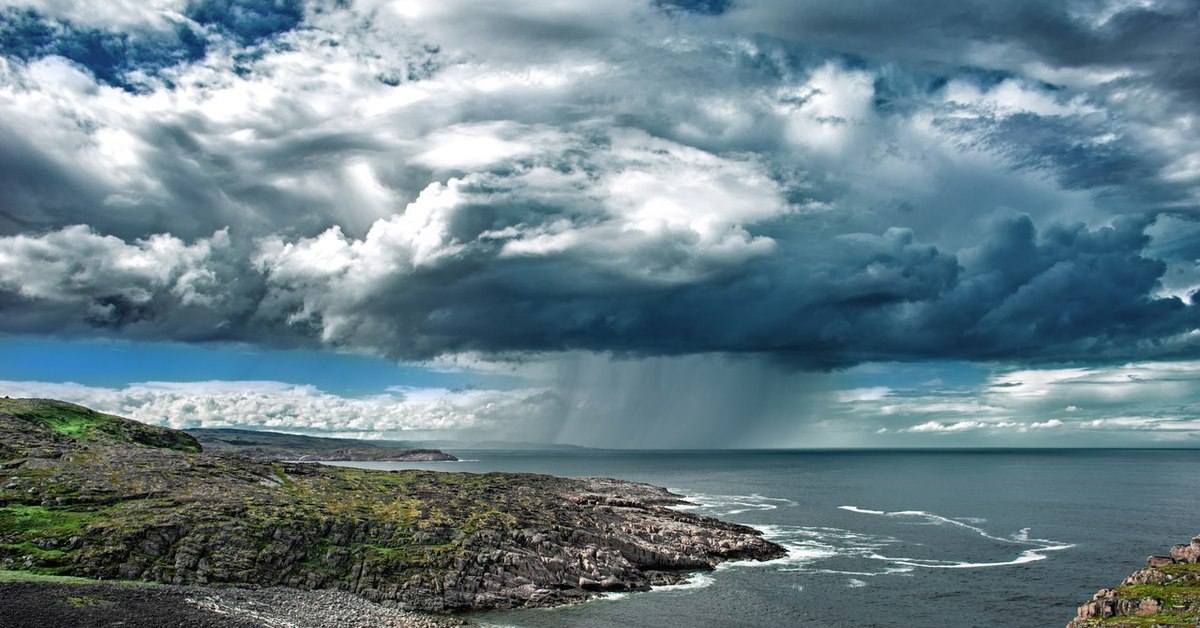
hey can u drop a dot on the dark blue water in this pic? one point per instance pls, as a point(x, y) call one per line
point(994, 538)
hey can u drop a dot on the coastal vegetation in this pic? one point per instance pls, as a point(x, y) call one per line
point(1166, 592)
point(93, 495)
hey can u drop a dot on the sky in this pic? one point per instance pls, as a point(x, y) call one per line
point(636, 223)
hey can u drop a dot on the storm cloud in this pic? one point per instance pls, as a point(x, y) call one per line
point(812, 184)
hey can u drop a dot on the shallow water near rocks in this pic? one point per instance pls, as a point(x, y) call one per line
point(891, 538)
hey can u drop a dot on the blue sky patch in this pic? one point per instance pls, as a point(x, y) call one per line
point(111, 57)
point(122, 59)
point(117, 363)
point(248, 21)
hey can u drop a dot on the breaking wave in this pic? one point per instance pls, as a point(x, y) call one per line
point(859, 554)
point(725, 505)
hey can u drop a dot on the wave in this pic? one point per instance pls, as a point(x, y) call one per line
point(694, 581)
point(1038, 550)
point(858, 554)
point(811, 548)
point(724, 505)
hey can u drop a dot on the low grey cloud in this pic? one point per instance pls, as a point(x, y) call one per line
point(805, 182)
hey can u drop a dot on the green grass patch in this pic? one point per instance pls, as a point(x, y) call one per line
point(42, 577)
point(84, 601)
point(84, 424)
point(8, 575)
point(64, 418)
point(30, 521)
point(1181, 569)
point(1170, 592)
point(29, 549)
point(1150, 621)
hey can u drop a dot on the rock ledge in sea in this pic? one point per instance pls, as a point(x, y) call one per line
point(1166, 592)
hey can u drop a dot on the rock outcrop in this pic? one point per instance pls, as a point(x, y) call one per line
point(1166, 592)
point(428, 541)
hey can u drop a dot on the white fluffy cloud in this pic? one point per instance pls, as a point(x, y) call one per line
point(401, 413)
point(1134, 403)
point(52, 267)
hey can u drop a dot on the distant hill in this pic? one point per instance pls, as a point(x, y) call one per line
point(507, 445)
point(222, 437)
point(264, 445)
point(89, 426)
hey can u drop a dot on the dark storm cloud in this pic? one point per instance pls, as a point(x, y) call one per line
point(1075, 33)
point(1066, 294)
point(992, 181)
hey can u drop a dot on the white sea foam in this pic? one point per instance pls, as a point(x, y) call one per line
point(1031, 554)
point(694, 581)
point(811, 548)
point(724, 505)
point(826, 550)
point(808, 547)
point(886, 571)
point(862, 510)
point(855, 583)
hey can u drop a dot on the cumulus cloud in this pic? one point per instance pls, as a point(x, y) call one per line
point(1129, 404)
point(401, 413)
point(420, 180)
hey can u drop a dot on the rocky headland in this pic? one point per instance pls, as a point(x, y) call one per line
point(88, 494)
point(276, 446)
point(1166, 592)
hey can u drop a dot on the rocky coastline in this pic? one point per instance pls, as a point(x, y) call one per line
point(87, 494)
point(1166, 592)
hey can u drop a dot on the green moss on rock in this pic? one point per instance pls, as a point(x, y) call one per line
point(86, 425)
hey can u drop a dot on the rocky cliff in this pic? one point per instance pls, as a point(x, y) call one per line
point(121, 507)
point(1166, 592)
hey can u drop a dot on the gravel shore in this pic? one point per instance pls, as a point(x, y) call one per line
point(40, 605)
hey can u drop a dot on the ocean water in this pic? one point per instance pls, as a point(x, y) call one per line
point(891, 538)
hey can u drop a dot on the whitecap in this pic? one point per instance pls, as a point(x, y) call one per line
point(694, 581)
point(862, 510)
point(724, 505)
point(1021, 537)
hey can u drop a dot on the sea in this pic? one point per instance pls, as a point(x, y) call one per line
point(937, 538)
